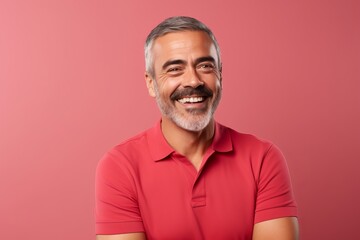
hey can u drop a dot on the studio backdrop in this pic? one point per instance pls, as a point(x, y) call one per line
point(72, 86)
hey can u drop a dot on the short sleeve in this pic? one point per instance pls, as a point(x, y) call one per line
point(116, 205)
point(275, 198)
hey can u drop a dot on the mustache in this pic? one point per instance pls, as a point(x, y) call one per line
point(200, 91)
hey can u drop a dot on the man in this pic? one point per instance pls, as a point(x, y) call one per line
point(189, 177)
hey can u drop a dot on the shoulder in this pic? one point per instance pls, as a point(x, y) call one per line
point(127, 153)
point(246, 141)
point(131, 145)
point(252, 149)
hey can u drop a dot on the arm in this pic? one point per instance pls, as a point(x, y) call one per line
point(127, 236)
point(117, 211)
point(276, 211)
point(285, 228)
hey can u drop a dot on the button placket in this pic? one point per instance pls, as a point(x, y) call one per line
point(196, 178)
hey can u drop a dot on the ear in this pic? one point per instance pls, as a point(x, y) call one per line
point(220, 71)
point(150, 84)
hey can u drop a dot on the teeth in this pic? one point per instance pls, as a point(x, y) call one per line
point(191, 100)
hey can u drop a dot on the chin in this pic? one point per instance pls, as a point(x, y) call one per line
point(194, 125)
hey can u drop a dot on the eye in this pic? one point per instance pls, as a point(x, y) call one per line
point(206, 67)
point(174, 70)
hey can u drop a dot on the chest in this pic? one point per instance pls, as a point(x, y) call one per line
point(177, 202)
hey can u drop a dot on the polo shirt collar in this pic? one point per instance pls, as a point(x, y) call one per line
point(158, 146)
point(160, 149)
point(222, 139)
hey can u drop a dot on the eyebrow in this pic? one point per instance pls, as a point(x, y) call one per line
point(179, 61)
point(172, 62)
point(204, 59)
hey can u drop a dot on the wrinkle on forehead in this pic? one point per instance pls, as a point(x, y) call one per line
point(186, 45)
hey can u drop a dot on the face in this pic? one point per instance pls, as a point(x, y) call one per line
point(186, 81)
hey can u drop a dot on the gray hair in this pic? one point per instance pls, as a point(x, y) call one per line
point(175, 24)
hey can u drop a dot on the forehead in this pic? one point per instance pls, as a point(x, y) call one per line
point(183, 45)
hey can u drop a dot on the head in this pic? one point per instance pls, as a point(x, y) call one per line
point(171, 25)
point(183, 71)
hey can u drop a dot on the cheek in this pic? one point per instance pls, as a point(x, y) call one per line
point(169, 85)
point(213, 82)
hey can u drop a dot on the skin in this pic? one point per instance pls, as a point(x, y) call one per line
point(286, 228)
point(185, 60)
point(126, 236)
point(193, 63)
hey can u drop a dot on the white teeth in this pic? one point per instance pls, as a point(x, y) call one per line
point(191, 100)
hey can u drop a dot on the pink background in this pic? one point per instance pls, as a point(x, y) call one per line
point(71, 87)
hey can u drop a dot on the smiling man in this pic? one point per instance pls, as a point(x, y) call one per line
point(189, 177)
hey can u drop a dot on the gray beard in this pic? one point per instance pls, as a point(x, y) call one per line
point(198, 121)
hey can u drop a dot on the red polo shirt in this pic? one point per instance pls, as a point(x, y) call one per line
point(143, 185)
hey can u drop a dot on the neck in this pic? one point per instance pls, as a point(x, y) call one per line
point(192, 145)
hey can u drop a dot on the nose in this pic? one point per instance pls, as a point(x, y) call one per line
point(192, 79)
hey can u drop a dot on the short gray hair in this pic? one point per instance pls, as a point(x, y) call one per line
point(175, 24)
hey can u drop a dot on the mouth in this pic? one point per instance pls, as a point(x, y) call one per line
point(191, 100)
point(192, 96)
